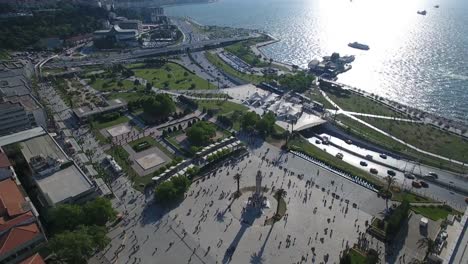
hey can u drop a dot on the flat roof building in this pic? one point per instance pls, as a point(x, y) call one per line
point(130, 24)
point(58, 178)
point(85, 112)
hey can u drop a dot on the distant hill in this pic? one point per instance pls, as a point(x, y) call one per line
point(149, 3)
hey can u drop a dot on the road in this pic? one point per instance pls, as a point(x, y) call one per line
point(434, 191)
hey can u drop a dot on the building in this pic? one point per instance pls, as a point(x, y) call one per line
point(19, 113)
point(13, 118)
point(20, 230)
point(85, 112)
point(19, 110)
point(58, 179)
point(116, 34)
point(77, 40)
point(130, 24)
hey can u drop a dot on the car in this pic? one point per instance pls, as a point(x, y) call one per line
point(317, 141)
point(433, 175)
point(374, 171)
point(363, 163)
point(339, 155)
point(416, 184)
point(466, 200)
point(369, 157)
point(424, 184)
point(409, 176)
point(349, 141)
point(391, 173)
point(383, 156)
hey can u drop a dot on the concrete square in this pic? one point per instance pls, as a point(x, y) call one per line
point(149, 161)
point(119, 130)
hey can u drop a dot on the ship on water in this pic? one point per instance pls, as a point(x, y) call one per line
point(358, 45)
point(424, 12)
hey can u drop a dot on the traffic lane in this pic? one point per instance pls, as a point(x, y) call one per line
point(403, 165)
point(433, 191)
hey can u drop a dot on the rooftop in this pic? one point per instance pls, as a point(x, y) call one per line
point(18, 235)
point(12, 201)
point(27, 101)
point(34, 259)
point(86, 111)
point(43, 145)
point(64, 184)
point(21, 136)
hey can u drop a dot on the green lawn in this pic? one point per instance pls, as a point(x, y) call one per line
point(243, 51)
point(410, 197)
point(379, 139)
point(425, 137)
point(101, 125)
point(434, 212)
point(171, 76)
point(219, 63)
point(135, 143)
point(108, 85)
point(356, 257)
point(127, 96)
point(221, 107)
point(317, 96)
point(350, 101)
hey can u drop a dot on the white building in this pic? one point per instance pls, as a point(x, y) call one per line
point(117, 33)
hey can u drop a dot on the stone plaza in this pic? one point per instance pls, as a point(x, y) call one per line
point(325, 214)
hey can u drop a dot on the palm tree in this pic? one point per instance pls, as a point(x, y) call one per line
point(429, 244)
point(390, 180)
point(279, 194)
point(237, 178)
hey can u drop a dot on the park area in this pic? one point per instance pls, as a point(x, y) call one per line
point(170, 76)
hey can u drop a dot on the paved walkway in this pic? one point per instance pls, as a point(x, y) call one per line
point(379, 116)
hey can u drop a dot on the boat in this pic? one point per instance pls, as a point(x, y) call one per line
point(436, 6)
point(358, 45)
point(422, 12)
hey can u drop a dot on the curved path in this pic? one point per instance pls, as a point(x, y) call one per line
point(387, 134)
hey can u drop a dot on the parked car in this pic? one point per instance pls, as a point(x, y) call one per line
point(369, 157)
point(339, 155)
point(432, 175)
point(409, 176)
point(374, 170)
point(416, 184)
point(424, 184)
point(349, 141)
point(363, 163)
point(383, 156)
point(391, 173)
point(317, 141)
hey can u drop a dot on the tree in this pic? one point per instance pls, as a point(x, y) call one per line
point(172, 190)
point(160, 105)
point(66, 217)
point(148, 86)
point(266, 124)
point(299, 82)
point(99, 212)
point(136, 82)
point(237, 178)
point(279, 194)
point(76, 247)
point(200, 133)
point(249, 121)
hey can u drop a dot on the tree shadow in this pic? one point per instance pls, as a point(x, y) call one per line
point(393, 247)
